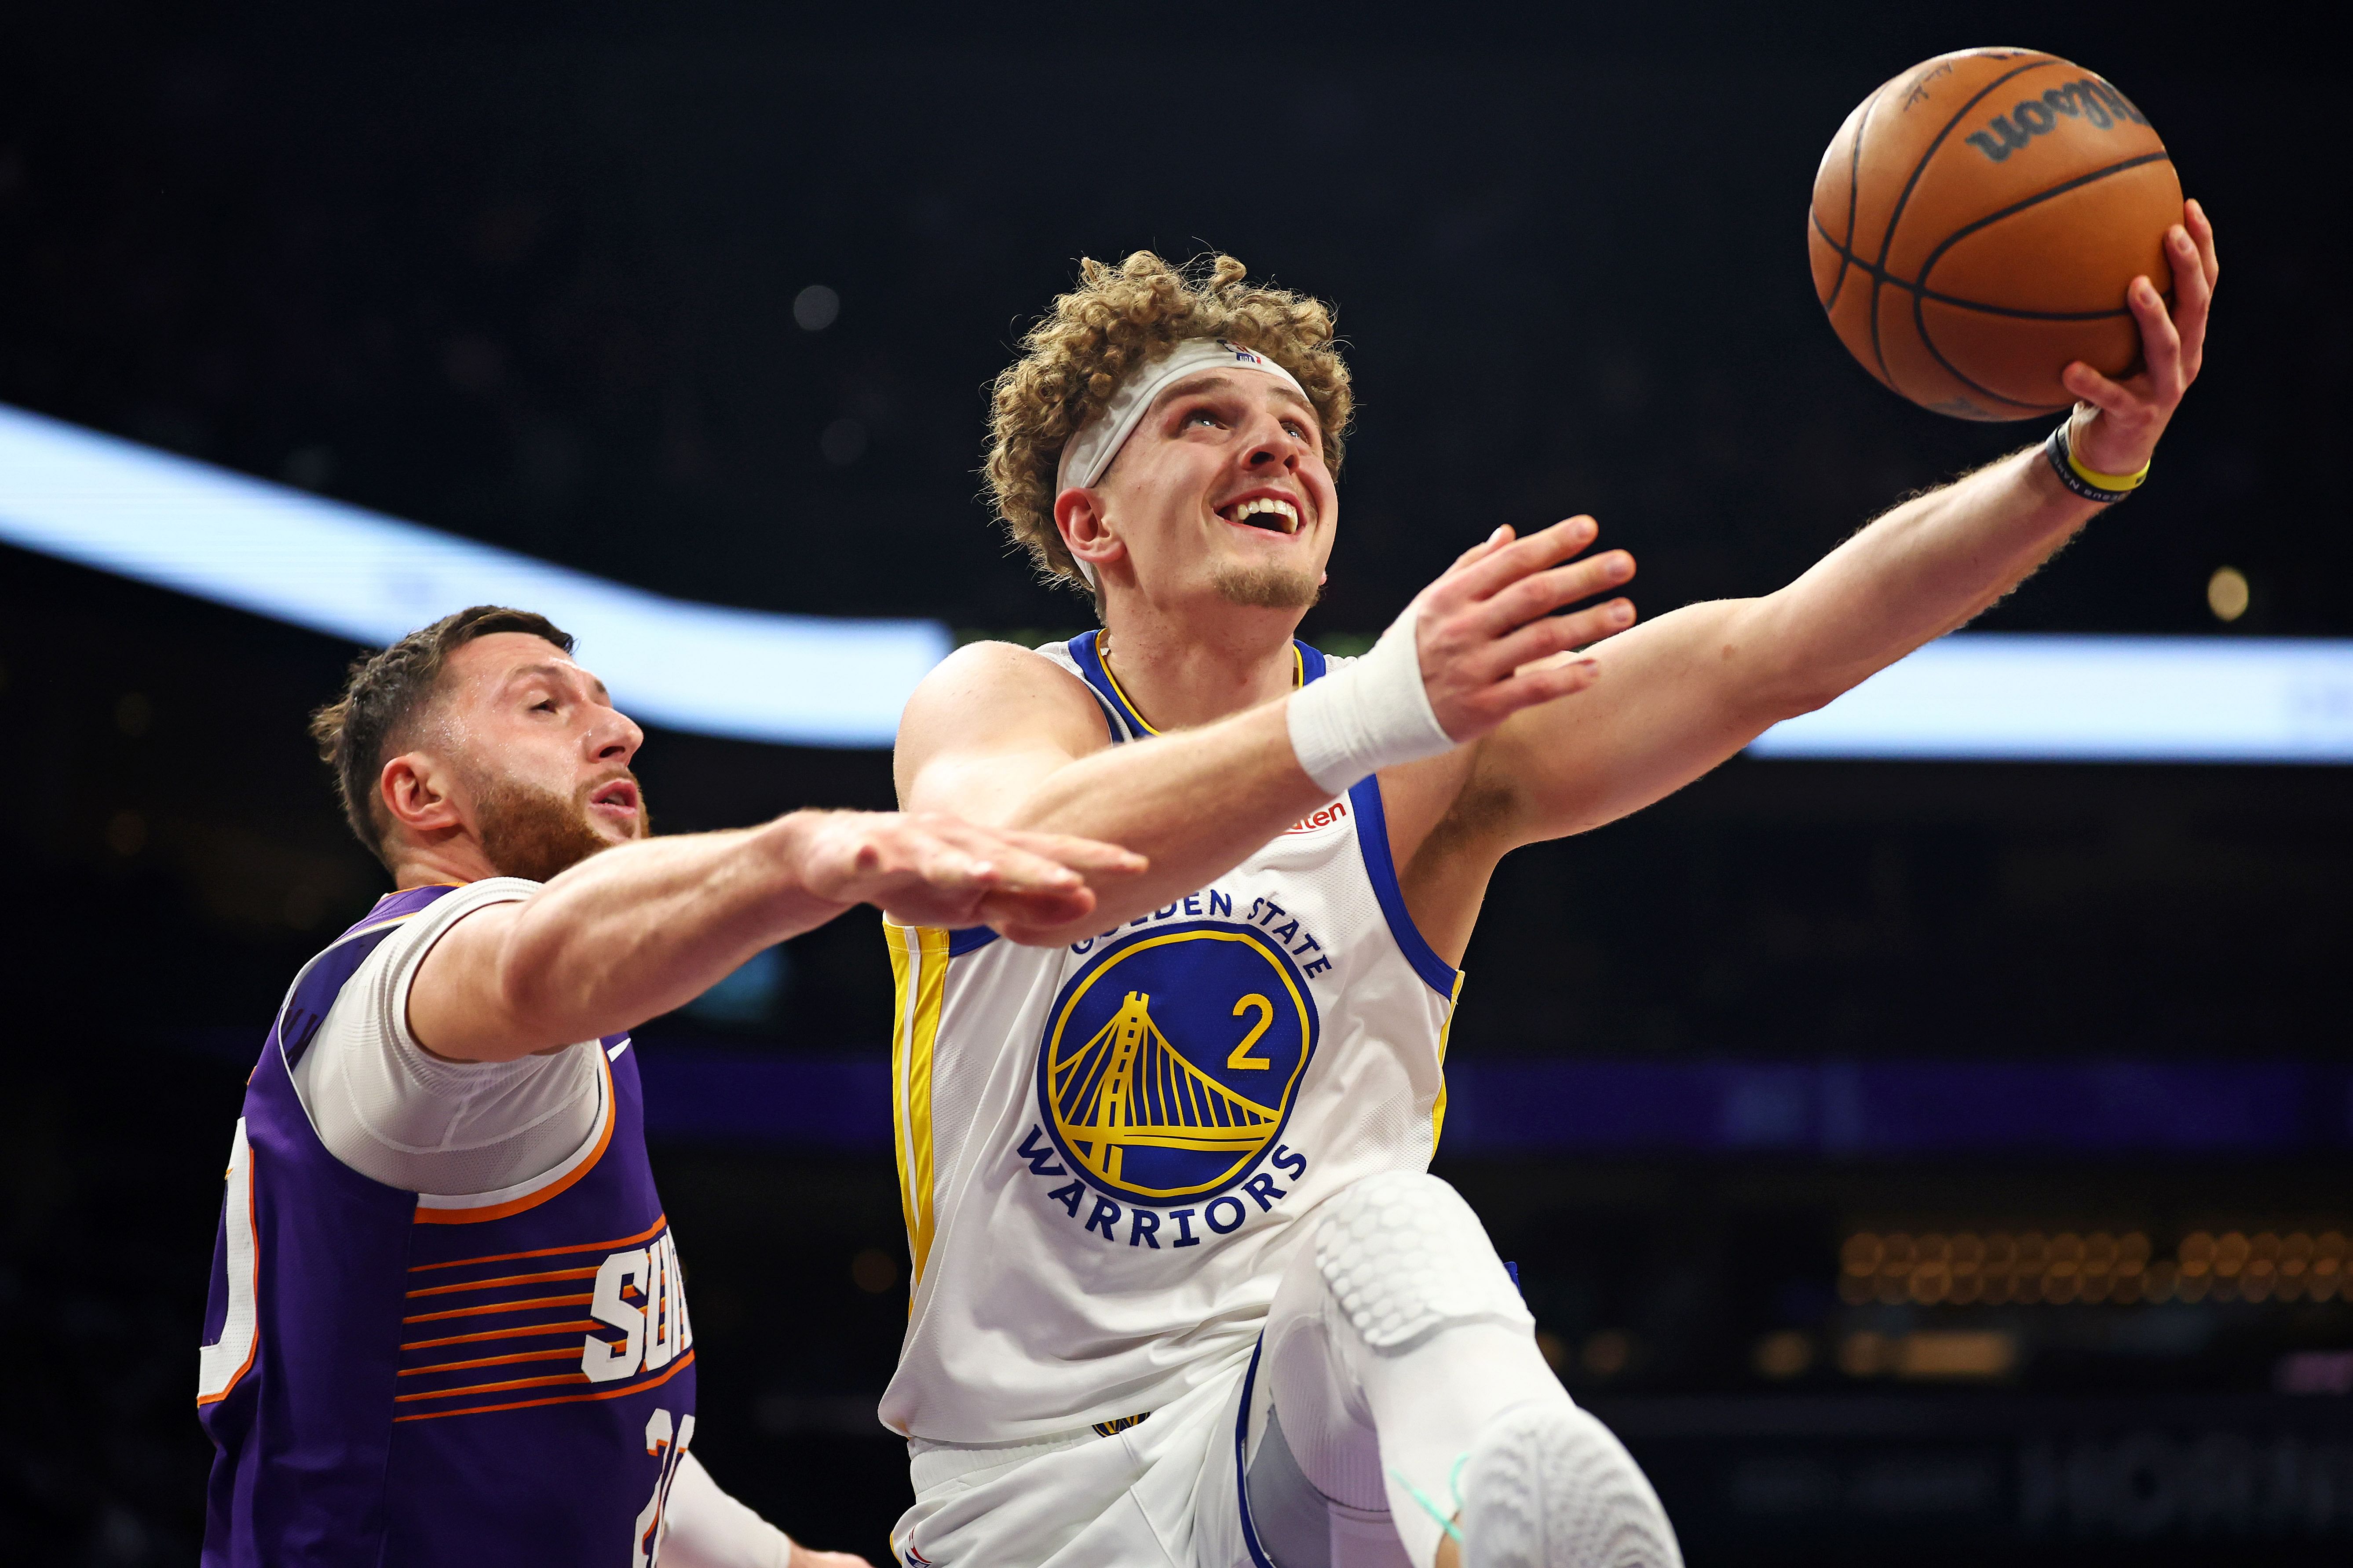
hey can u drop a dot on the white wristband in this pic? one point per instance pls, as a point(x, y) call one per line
point(1372, 715)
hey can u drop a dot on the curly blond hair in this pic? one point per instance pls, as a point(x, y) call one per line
point(1117, 318)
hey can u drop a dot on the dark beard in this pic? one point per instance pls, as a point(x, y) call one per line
point(1267, 587)
point(535, 834)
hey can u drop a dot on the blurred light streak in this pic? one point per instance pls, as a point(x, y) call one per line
point(812, 680)
point(2052, 697)
point(296, 557)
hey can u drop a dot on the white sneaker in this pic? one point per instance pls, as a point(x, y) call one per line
point(1548, 1486)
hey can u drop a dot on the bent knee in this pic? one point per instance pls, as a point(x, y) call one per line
point(1404, 1256)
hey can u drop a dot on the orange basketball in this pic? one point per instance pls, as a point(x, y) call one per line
point(1975, 223)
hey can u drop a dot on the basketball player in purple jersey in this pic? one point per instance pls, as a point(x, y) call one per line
point(448, 1323)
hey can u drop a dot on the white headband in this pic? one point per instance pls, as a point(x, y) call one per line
point(1087, 455)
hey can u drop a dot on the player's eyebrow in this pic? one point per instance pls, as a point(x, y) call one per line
point(557, 673)
point(1225, 381)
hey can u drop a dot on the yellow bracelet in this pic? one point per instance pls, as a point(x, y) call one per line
point(2098, 480)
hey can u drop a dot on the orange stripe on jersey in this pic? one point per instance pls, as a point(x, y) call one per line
point(580, 1301)
point(580, 1326)
point(506, 1279)
point(559, 1354)
point(491, 1387)
point(614, 1245)
point(681, 1364)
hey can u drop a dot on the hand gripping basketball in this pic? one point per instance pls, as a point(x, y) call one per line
point(1977, 224)
point(2117, 423)
point(1487, 634)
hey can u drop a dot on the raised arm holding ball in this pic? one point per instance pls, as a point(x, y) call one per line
point(1180, 1273)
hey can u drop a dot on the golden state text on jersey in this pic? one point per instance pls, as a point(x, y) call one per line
point(1171, 1059)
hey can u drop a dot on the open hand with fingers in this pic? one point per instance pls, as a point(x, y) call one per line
point(933, 869)
point(2117, 423)
point(1487, 633)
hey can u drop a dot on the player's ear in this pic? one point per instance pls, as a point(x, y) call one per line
point(1086, 532)
point(419, 793)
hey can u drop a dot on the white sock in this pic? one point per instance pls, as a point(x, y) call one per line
point(1431, 1404)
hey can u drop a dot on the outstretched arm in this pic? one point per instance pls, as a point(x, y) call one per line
point(641, 928)
point(1003, 736)
point(1684, 692)
point(1014, 739)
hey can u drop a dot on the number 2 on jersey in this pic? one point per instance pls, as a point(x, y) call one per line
point(1241, 1056)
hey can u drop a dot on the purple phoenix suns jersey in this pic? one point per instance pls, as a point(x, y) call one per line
point(398, 1378)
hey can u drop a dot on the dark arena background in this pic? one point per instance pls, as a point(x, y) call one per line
point(1931, 1158)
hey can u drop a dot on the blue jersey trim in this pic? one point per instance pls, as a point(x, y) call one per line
point(1242, 1470)
point(971, 939)
point(1116, 712)
point(1373, 839)
point(1086, 652)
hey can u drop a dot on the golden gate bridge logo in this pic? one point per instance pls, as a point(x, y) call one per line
point(1128, 1087)
point(1203, 1035)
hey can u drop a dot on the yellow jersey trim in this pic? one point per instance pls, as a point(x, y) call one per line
point(1437, 1108)
point(918, 969)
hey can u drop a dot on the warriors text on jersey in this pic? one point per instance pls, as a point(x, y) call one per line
point(391, 1376)
point(1103, 1149)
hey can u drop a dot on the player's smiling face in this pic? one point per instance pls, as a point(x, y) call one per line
point(543, 752)
point(1222, 491)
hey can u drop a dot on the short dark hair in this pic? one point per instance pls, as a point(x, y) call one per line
point(383, 695)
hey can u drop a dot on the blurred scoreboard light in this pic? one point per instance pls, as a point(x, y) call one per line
point(339, 569)
point(2046, 697)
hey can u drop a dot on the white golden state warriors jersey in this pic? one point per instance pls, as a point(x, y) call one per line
point(1105, 1148)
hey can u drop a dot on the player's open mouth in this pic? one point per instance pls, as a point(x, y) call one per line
point(1269, 512)
point(620, 796)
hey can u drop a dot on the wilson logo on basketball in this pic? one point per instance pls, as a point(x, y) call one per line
point(1968, 279)
point(2090, 99)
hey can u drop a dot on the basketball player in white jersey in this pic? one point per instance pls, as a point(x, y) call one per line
point(1185, 1293)
point(464, 1049)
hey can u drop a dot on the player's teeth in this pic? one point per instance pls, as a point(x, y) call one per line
point(1244, 511)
